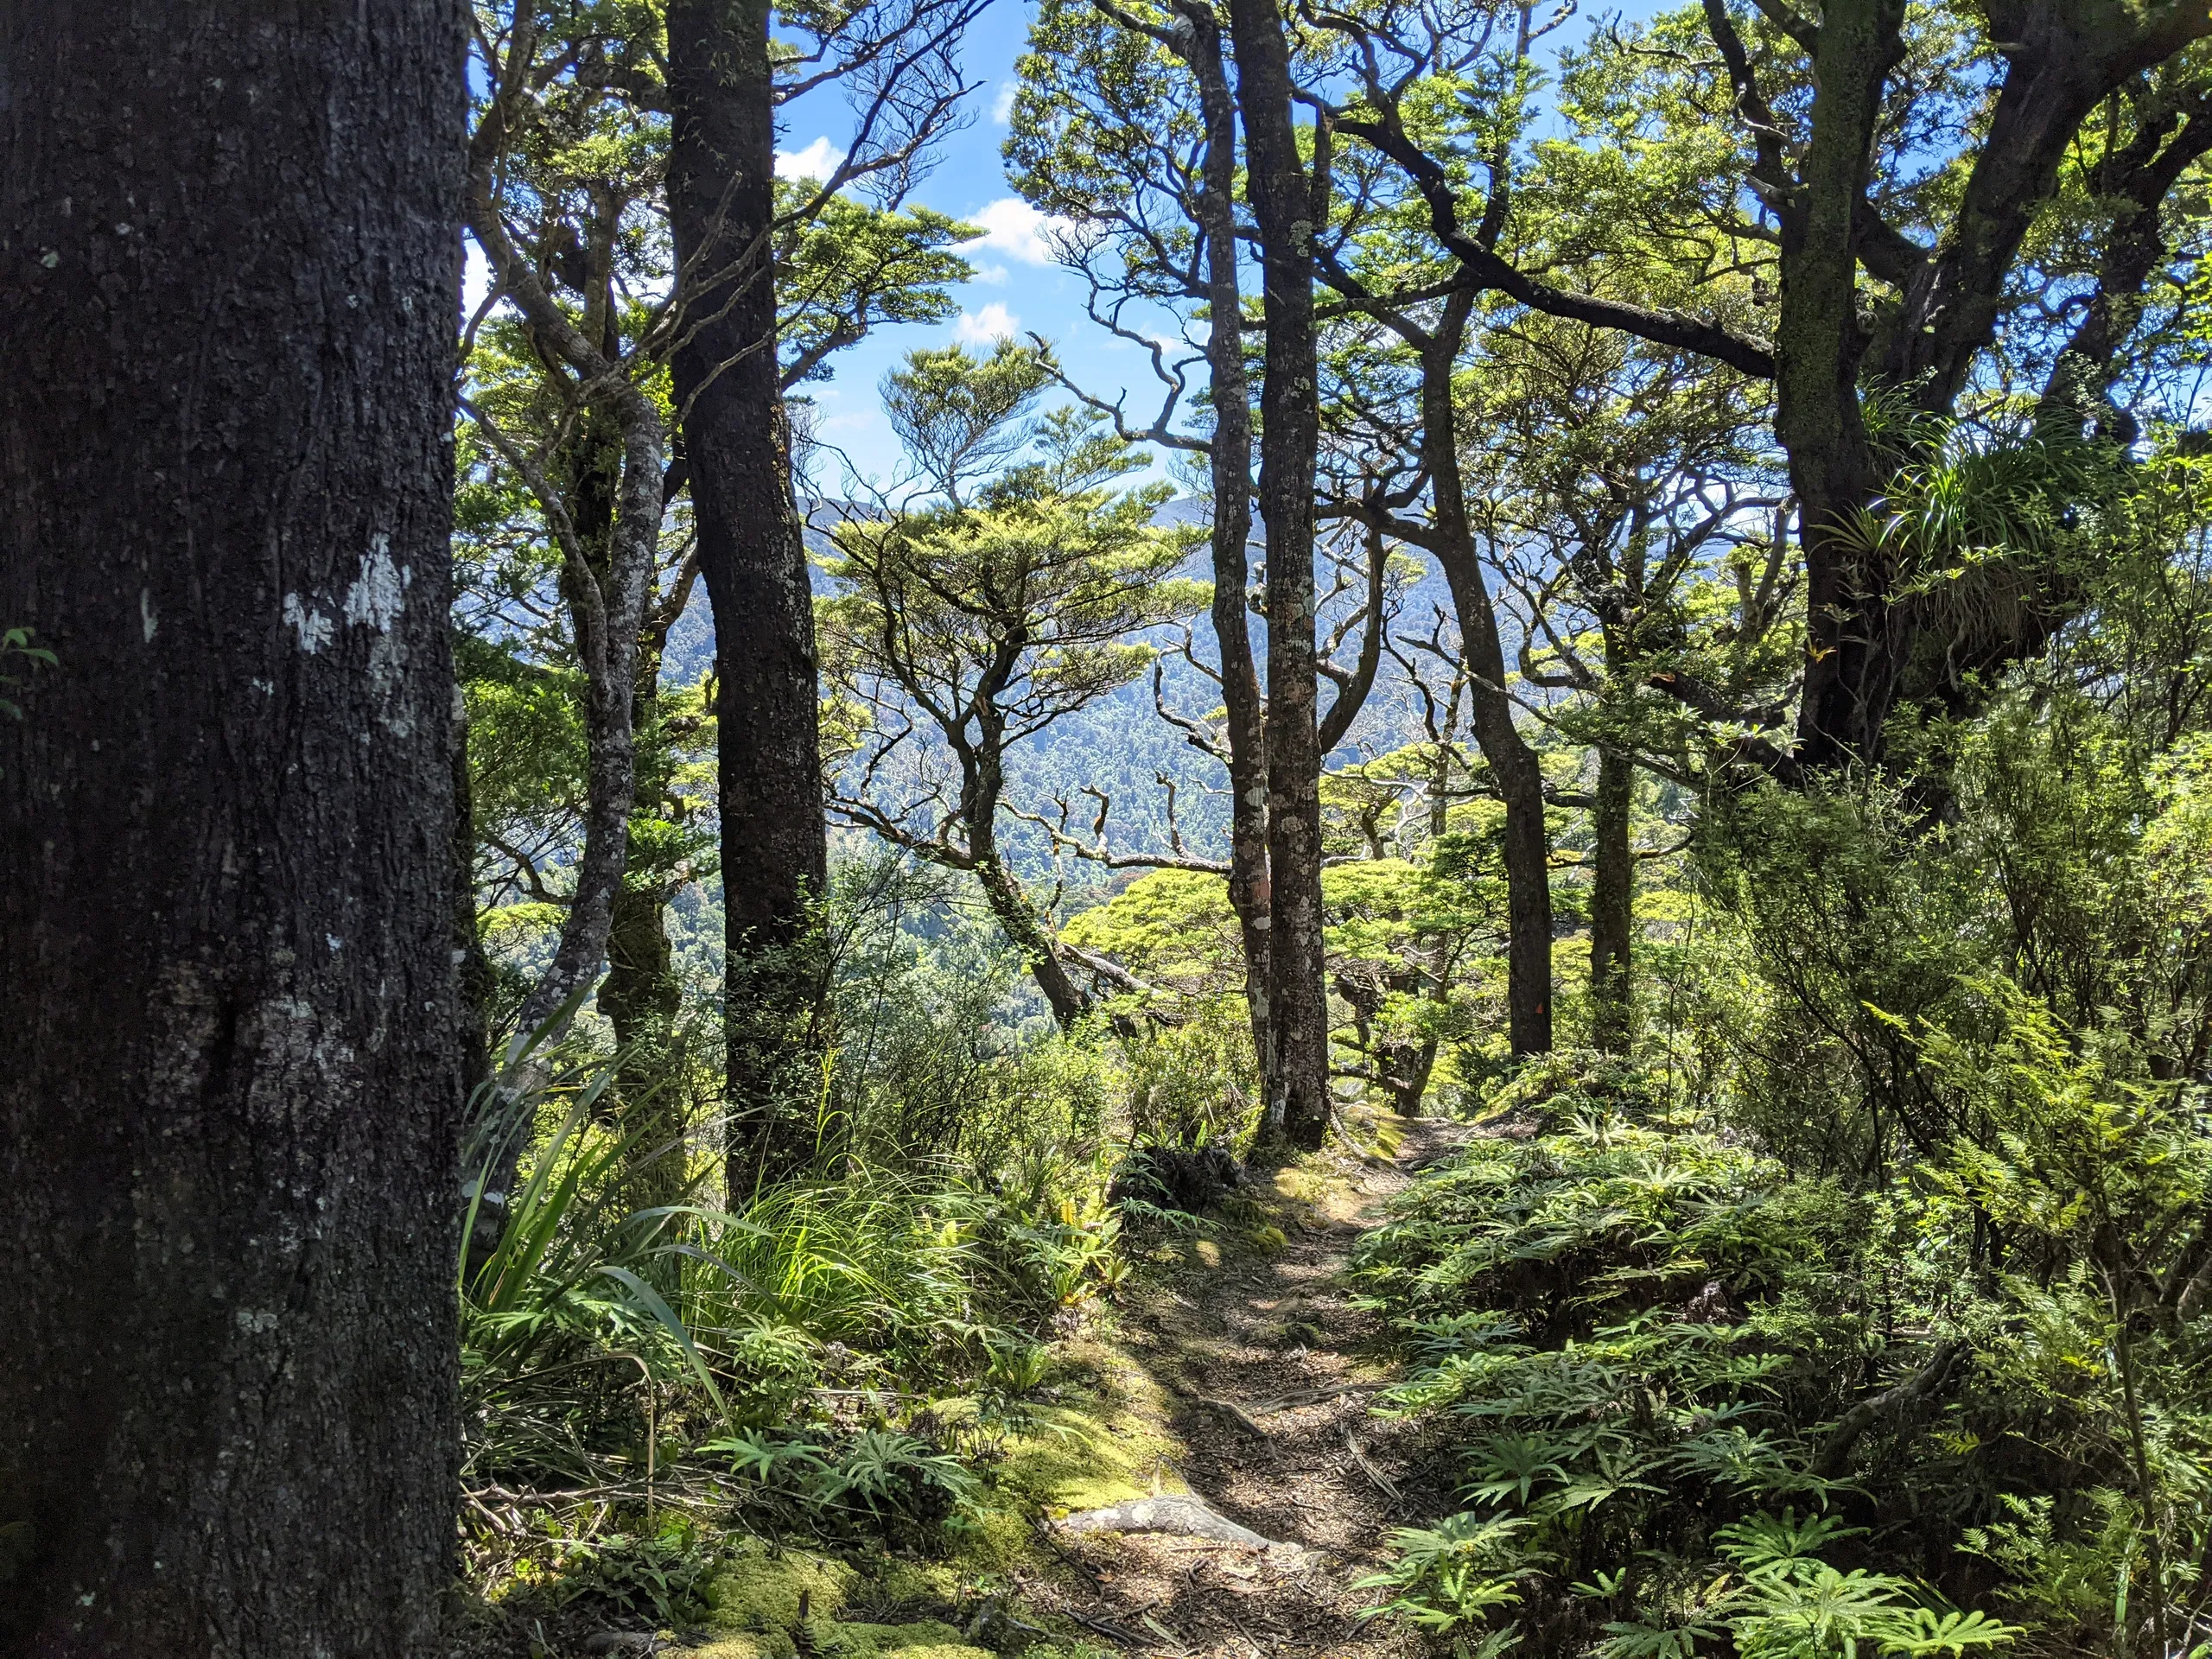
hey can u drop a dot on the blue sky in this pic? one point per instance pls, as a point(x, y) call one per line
point(1018, 286)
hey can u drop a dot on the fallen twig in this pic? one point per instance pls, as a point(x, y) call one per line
point(1234, 1412)
point(1382, 1482)
point(1109, 1629)
point(1180, 1644)
point(1310, 1396)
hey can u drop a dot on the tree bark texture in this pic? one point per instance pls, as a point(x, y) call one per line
point(1612, 903)
point(641, 995)
point(1231, 456)
point(229, 1072)
point(1512, 762)
point(775, 855)
point(1281, 197)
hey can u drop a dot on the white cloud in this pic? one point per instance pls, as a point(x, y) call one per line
point(1002, 105)
point(994, 275)
point(993, 322)
point(1012, 227)
point(817, 161)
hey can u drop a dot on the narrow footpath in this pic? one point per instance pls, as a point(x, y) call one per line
point(1268, 1370)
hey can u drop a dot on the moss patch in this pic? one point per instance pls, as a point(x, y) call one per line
point(759, 1591)
point(829, 1640)
point(926, 1640)
point(773, 1645)
point(895, 1580)
point(757, 1607)
point(1105, 1443)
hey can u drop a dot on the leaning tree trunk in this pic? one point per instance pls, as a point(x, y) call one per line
point(775, 855)
point(1512, 762)
point(229, 1072)
point(1011, 907)
point(1298, 1003)
point(1612, 903)
point(1231, 456)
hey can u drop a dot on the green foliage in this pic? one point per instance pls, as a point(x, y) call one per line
point(935, 1064)
point(848, 268)
point(829, 1342)
point(879, 1476)
point(1452, 1574)
point(1645, 1337)
point(17, 643)
point(1652, 1343)
point(1015, 612)
point(1171, 928)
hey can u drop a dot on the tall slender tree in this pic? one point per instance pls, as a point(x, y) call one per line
point(229, 1080)
point(1288, 191)
point(752, 553)
point(1141, 159)
point(896, 58)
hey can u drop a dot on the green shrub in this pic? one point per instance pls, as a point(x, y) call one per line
point(1653, 1350)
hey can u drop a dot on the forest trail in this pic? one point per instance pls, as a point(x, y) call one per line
point(1267, 1370)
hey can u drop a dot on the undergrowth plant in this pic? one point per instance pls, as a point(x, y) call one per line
point(830, 1354)
point(1698, 1406)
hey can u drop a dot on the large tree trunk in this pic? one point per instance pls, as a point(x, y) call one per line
point(1231, 460)
point(1612, 903)
point(229, 1073)
point(1512, 762)
point(775, 856)
point(1282, 196)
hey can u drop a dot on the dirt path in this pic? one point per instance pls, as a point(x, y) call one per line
point(1270, 1369)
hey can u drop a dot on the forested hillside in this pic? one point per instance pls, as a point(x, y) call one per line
point(1115, 826)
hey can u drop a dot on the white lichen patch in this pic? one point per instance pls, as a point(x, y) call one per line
point(315, 628)
point(380, 589)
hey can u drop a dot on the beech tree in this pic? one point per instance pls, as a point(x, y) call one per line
point(895, 59)
point(961, 629)
point(1884, 172)
point(1161, 196)
point(1126, 129)
point(229, 1078)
